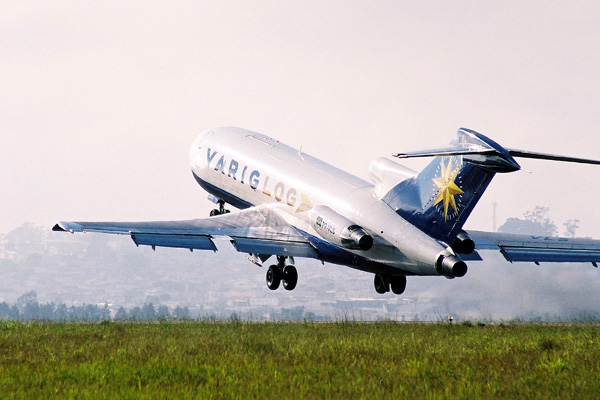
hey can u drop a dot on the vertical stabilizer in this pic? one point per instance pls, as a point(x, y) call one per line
point(440, 198)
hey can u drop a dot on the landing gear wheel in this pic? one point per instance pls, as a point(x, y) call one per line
point(221, 209)
point(290, 277)
point(273, 277)
point(381, 286)
point(398, 284)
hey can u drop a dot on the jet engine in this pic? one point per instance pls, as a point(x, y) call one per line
point(339, 230)
point(463, 243)
point(386, 174)
point(451, 266)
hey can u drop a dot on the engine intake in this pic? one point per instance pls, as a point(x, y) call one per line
point(463, 243)
point(386, 174)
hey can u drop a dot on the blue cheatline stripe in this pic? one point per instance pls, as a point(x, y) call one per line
point(336, 255)
point(221, 194)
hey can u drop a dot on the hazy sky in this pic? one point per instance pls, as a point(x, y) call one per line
point(100, 101)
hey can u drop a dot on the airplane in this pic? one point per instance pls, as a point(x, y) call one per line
point(402, 223)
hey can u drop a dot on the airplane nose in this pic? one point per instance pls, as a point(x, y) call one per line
point(197, 148)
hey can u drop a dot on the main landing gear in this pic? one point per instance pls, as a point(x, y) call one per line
point(281, 272)
point(221, 209)
point(384, 283)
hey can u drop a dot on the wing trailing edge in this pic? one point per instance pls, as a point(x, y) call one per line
point(256, 230)
point(531, 248)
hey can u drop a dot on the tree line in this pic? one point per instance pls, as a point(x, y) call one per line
point(27, 308)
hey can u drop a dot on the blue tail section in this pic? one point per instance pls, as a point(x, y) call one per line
point(441, 197)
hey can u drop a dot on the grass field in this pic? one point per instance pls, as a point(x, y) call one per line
point(298, 360)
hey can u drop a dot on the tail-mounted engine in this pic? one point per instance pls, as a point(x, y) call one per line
point(451, 266)
point(463, 243)
point(339, 230)
point(386, 174)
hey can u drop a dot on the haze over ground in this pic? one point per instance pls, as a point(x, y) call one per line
point(101, 101)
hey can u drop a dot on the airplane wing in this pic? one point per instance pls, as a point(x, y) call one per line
point(256, 230)
point(538, 248)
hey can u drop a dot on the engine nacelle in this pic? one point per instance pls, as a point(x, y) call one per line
point(338, 229)
point(386, 174)
point(463, 244)
point(450, 266)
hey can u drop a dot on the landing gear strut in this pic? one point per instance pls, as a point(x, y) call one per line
point(384, 283)
point(281, 272)
point(221, 209)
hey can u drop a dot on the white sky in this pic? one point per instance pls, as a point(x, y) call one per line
point(100, 101)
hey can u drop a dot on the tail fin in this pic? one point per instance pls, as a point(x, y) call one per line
point(441, 197)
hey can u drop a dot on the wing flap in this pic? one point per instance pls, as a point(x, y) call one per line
point(192, 242)
point(533, 248)
point(514, 254)
point(274, 247)
point(256, 230)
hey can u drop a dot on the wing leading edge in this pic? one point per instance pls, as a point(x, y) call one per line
point(538, 249)
point(256, 230)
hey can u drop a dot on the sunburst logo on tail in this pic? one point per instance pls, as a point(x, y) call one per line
point(447, 188)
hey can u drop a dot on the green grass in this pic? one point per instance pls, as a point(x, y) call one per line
point(298, 360)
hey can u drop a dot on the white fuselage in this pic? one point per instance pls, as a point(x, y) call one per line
point(246, 169)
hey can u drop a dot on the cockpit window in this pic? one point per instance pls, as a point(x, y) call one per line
point(263, 139)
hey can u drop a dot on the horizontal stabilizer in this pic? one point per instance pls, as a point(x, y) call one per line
point(551, 157)
point(471, 143)
point(461, 151)
point(446, 151)
point(440, 198)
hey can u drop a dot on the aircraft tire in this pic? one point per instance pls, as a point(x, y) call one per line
point(290, 277)
point(273, 277)
point(381, 285)
point(214, 212)
point(398, 284)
